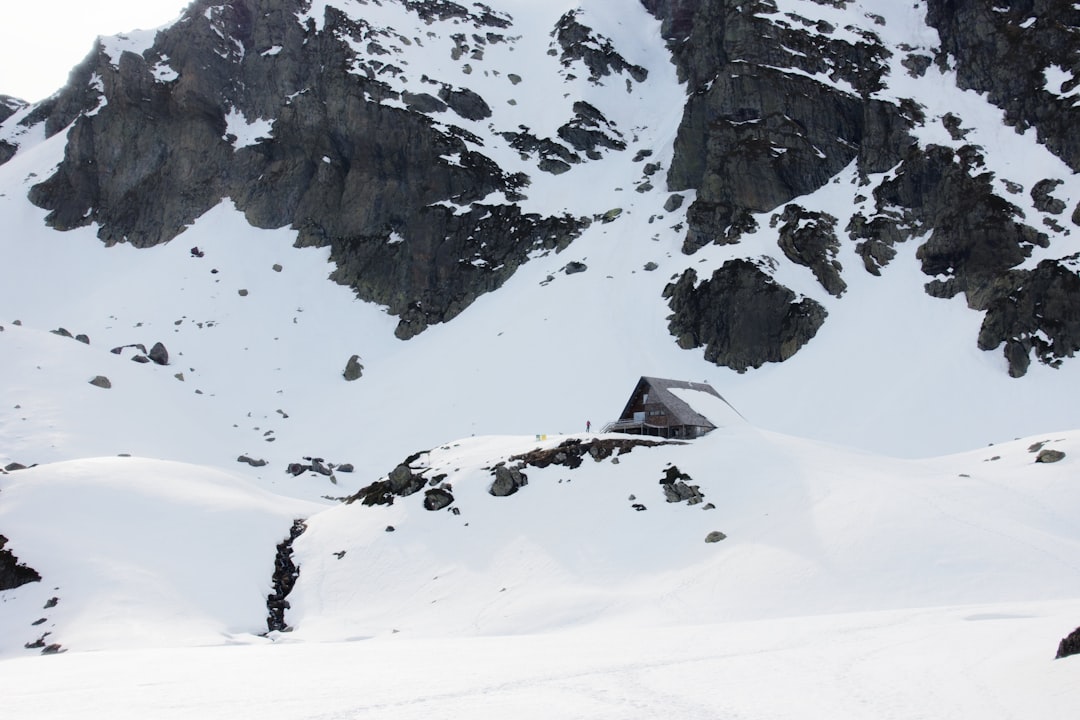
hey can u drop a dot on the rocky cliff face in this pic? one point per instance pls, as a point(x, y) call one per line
point(780, 103)
point(295, 118)
point(311, 117)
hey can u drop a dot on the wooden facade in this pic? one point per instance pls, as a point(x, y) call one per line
point(654, 410)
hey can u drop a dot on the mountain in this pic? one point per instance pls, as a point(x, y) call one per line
point(290, 285)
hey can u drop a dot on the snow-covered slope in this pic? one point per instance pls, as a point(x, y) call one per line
point(138, 553)
point(879, 510)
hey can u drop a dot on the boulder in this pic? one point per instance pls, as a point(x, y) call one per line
point(508, 481)
point(159, 355)
point(1050, 456)
point(715, 537)
point(354, 370)
point(437, 499)
point(102, 382)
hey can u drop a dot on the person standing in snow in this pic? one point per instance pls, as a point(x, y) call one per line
point(588, 426)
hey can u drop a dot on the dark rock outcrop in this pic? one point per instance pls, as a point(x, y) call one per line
point(995, 51)
point(977, 241)
point(284, 578)
point(402, 481)
point(677, 490)
point(1069, 645)
point(809, 239)
point(754, 137)
point(741, 316)
point(13, 573)
point(335, 163)
point(579, 42)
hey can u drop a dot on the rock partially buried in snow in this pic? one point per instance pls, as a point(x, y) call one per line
point(1050, 456)
point(1070, 645)
point(251, 461)
point(715, 537)
point(102, 382)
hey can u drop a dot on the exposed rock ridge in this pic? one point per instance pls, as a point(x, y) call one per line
point(285, 575)
point(13, 573)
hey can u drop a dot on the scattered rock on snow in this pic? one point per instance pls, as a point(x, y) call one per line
point(251, 461)
point(715, 537)
point(102, 382)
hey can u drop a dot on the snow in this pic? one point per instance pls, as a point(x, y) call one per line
point(881, 559)
point(247, 132)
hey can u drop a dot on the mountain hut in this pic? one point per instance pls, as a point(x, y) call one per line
point(653, 409)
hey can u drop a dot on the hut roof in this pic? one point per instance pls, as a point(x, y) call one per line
point(681, 411)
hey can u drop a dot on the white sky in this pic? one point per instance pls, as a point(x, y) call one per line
point(41, 40)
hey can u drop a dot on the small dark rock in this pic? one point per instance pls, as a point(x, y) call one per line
point(251, 461)
point(12, 467)
point(674, 203)
point(242, 292)
point(85, 339)
point(141, 359)
point(277, 267)
point(62, 332)
point(345, 468)
point(1043, 200)
point(575, 267)
point(650, 266)
point(354, 370)
point(297, 469)
point(715, 537)
point(391, 528)
point(51, 603)
point(102, 382)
